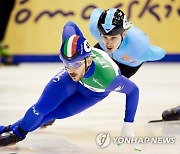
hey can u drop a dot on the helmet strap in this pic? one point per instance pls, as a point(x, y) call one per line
point(121, 40)
point(86, 67)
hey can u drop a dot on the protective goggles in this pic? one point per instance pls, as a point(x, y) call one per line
point(74, 65)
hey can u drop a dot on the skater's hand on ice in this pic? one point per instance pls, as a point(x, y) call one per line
point(127, 131)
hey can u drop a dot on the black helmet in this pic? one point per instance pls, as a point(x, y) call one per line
point(112, 22)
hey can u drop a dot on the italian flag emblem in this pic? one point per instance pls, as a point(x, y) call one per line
point(71, 45)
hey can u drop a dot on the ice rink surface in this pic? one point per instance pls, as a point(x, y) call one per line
point(159, 84)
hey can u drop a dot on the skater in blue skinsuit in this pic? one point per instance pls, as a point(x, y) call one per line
point(88, 77)
point(126, 44)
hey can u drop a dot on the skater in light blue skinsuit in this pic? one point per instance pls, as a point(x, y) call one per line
point(128, 46)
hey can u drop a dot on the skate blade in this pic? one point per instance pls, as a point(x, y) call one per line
point(152, 121)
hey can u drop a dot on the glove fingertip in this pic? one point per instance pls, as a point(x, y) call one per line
point(139, 150)
point(118, 144)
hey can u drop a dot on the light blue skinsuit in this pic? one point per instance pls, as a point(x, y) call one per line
point(135, 45)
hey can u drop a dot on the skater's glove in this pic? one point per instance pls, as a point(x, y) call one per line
point(127, 131)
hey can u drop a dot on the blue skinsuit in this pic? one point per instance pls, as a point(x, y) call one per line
point(62, 97)
point(135, 45)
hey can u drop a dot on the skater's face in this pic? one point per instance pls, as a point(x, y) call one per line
point(77, 70)
point(112, 42)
